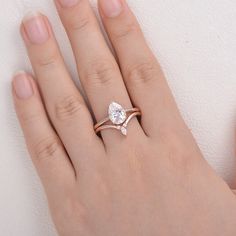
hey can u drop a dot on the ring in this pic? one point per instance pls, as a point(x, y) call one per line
point(119, 118)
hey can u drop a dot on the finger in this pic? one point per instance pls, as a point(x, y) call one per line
point(47, 152)
point(142, 74)
point(98, 70)
point(65, 106)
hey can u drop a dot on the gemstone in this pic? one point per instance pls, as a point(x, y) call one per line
point(123, 130)
point(117, 113)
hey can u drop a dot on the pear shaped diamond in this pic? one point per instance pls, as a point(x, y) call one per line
point(117, 113)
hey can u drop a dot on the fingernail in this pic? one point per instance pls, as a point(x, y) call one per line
point(68, 3)
point(111, 8)
point(35, 28)
point(22, 86)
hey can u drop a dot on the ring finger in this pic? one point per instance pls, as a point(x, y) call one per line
point(98, 70)
point(142, 74)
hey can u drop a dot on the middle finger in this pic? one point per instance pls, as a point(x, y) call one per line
point(98, 70)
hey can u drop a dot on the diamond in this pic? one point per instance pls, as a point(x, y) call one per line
point(123, 130)
point(117, 113)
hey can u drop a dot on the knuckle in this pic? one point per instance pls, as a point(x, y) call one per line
point(179, 153)
point(142, 72)
point(180, 159)
point(78, 22)
point(47, 148)
point(136, 161)
point(169, 135)
point(29, 119)
point(48, 58)
point(125, 31)
point(74, 211)
point(100, 73)
point(68, 107)
point(78, 25)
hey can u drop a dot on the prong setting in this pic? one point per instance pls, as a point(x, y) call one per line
point(117, 113)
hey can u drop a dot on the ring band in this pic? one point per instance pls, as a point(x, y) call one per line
point(107, 118)
point(122, 128)
point(118, 117)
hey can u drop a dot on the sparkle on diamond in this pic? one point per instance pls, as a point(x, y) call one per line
point(117, 113)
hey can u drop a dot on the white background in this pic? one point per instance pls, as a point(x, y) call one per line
point(195, 41)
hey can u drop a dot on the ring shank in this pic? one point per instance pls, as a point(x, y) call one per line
point(100, 123)
point(118, 127)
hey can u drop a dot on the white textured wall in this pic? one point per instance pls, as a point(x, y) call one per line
point(195, 41)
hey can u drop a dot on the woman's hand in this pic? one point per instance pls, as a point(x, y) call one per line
point(152, 182)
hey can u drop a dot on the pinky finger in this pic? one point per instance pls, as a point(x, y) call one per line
point(46, 150)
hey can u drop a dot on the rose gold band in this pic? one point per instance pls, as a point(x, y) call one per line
point(100, 123)
point(123, 127)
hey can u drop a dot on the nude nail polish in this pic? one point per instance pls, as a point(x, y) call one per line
point(111, 8)
point(35, 28)
point(68, 3)
point(22, 86)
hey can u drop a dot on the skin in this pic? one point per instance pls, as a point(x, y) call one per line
point(153, 182)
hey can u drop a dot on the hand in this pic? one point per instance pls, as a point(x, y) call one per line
point(152, 182)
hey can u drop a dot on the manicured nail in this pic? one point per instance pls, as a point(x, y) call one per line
point(68, 3)
point(111, 8)
point(22, 85)
point(35, 28)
